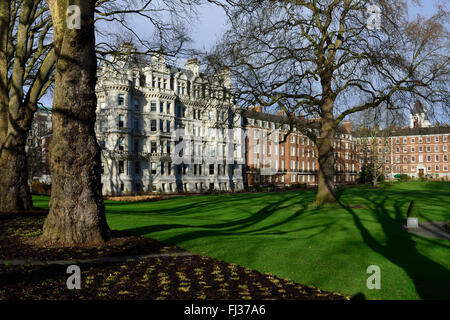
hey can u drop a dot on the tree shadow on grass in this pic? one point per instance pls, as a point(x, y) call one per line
point(243, 226)
point(431, 280)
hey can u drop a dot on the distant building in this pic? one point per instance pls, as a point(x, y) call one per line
point(164, 128)
point(272, 161)
point(38, 140)
point(418, 117)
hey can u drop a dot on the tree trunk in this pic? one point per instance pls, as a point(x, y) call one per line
point(77, 212)
point(15, 195)
point(325, 192)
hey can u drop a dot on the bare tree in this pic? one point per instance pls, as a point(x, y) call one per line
point(375, 143)
point(26, 65)
point(77, 212)
point(314, 57)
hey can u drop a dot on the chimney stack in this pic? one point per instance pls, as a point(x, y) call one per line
point(194, 66)
point(280, 113)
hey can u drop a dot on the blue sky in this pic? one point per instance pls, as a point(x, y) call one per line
point(210, 24)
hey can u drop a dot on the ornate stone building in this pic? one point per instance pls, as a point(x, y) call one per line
point(165, 128)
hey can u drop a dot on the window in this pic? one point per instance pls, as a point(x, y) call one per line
point(428, 158)
point(436, 139)
point(413, 140)
point(153, 167)
point(436, 149)
point(153, 125)
point(161, 107)
point(428, 139)
point(137, 167)
point(445, 158)
point(153, 106)
point(121, 99)
point(136, 105)
point(444, 138)
point(444, 148)
point(167, 125)
point(121, 166)
point(413, 159)
point(168, 107)
point(437, 168)
point(135, 124)
point(420, 149)
point(413, 149)
point(428, 148)
point(102, 107)
point(211, 169)
point(153, 147)
point(121, 120)
point(437, 158)
point(102, 169)
point(102, 144)
point(102, 126)
point(121, 143)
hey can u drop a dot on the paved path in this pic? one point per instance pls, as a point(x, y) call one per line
point(434, 229)
point(95, 260)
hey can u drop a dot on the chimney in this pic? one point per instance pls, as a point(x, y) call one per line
point(280, 113)
point(194, 66)
point(347, 125)
point(437, 124)
point(258, 108)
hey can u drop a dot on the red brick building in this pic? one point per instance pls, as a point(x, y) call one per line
point(275, 157)
point(418, 151)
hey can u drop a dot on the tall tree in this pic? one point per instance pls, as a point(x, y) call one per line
point(315, 57)
point(26, 64)
point(77, 212)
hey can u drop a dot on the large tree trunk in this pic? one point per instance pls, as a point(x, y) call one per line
point(77, 212)
point(15, 195)
point(325, 192)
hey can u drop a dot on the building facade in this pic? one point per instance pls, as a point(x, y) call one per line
point(163, 129)
point(166, 129)
point(275, 156)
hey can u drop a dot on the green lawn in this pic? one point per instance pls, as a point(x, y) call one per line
point(329, 248)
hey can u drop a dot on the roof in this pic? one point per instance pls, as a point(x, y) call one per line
point(418, 108)
point(397, 132)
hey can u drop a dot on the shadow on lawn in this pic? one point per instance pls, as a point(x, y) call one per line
point(238, 226)
point(430, 279)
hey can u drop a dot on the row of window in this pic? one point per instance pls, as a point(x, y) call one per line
point(437, 168)
point(182, 169)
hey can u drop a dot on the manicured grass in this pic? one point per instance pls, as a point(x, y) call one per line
point(329, 248)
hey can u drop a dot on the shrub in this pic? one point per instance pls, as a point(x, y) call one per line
point(412, 211)
point(402, 177)
point(41, 188)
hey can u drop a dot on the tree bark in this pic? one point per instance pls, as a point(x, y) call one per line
point(15, 195)
point(325, 192)
point(77, 212)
